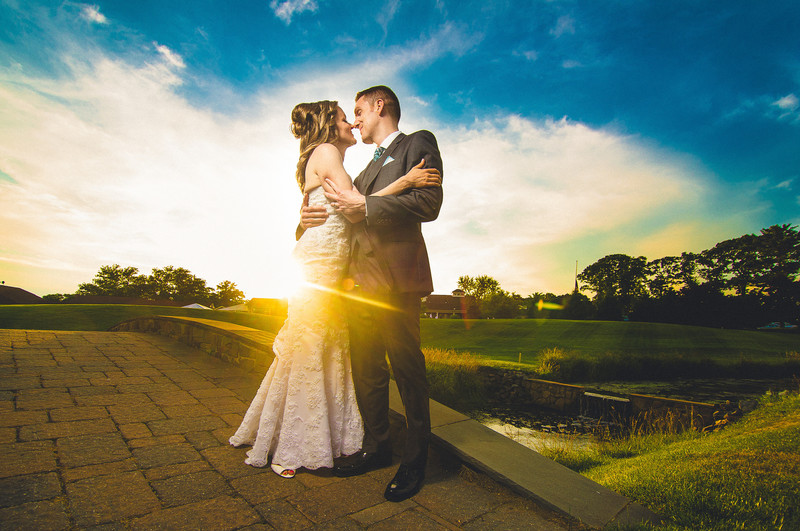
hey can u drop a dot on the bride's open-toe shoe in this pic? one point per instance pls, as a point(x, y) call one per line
point(287, 473)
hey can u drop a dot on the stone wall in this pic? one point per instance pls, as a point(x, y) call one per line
point(518, 389)
point(511, 388)
point(670, 412)
point(246, 347)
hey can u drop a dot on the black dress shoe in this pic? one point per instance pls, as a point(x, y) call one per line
point(363, 462)
point(405, 483)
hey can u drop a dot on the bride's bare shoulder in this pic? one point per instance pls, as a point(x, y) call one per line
point(325, 152)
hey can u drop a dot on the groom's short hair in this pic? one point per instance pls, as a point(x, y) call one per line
point(382, 92)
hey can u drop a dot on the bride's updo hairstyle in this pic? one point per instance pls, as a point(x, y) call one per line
point(314, 124)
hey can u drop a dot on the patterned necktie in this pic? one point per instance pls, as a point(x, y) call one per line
point(378, 152)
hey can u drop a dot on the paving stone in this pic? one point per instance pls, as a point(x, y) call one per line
point(189, 488)
point(50, 515)
point(211, 392)
point(229, 461)
point(93, 390)
point(344, 523)
point(153, 456)
point(135, 430)
point(134, 369)
point(220, 514)
point(128, 413)
point(21, 418)
point(317, 478)
point(201, 440)
point(66, 382)
point(8, 435)
point(68, 414)
point(102, 469)
point(26, 458)
point(24, 489)
point(382, 511)
point(62, 399)
point(407, 520)
point(179, 469)
point(174, 398)
point(187, 410)
point(121, 380)
point(262, 488)
point(156, 441)
point(224, 404)
point(54, 430)
point(519, 516)
point(92, 449)
point(164, 386)
point(456, 500)
point(338, 499)
point(185, 425)
point(232, 419)
point(112, 399)
point(109, 498)
point(283, 516)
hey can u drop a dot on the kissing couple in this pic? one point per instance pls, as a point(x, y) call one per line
point(324, 401)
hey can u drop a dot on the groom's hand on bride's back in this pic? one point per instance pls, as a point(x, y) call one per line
point(312, 216)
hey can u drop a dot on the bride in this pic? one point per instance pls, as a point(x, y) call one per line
point(305, 412)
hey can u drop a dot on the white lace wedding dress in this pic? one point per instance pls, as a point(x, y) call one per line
point(305, 412)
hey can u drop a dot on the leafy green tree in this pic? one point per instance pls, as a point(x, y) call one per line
point(617, 280)
point(502, 305)
point(114, 281)
point(178, 284)
point(479, 287)
point(227, 294)
point(778, 271)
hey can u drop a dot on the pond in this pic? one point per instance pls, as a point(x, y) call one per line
point(539, 429)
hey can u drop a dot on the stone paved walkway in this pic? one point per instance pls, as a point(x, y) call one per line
point(120, 430)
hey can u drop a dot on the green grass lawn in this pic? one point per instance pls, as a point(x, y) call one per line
point(742, 477)
point(505, 339)
point(103, 316)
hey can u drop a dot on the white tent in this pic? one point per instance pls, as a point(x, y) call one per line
point(196, 306)
point(235, 308)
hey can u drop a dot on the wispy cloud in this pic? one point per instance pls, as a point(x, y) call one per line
point(92, 14)
point(565, 25)
point(287, 9)
point(171, 57)
point(788, 107)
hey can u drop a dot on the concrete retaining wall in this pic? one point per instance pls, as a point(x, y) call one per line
point(240, 345)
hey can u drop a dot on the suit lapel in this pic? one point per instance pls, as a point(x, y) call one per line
point(374, 168)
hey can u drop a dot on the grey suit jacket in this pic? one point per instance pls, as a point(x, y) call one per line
point(389, 252)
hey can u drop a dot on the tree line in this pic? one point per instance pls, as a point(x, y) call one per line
point(743, 282)
point(166, 283)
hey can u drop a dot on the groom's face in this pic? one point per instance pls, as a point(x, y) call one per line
point(366, 118)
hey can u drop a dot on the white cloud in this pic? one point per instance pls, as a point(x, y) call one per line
point(169, 56)
point(93, 14)
point(788, 108)
point(565, 25)
point(787, 103)
point(110, 165)
point(287, 9)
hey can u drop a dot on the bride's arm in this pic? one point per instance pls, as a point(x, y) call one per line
point(417, 177)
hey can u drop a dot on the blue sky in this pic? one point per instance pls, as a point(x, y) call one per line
point(151, 134)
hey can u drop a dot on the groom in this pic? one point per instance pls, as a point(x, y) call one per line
point(390, 269)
